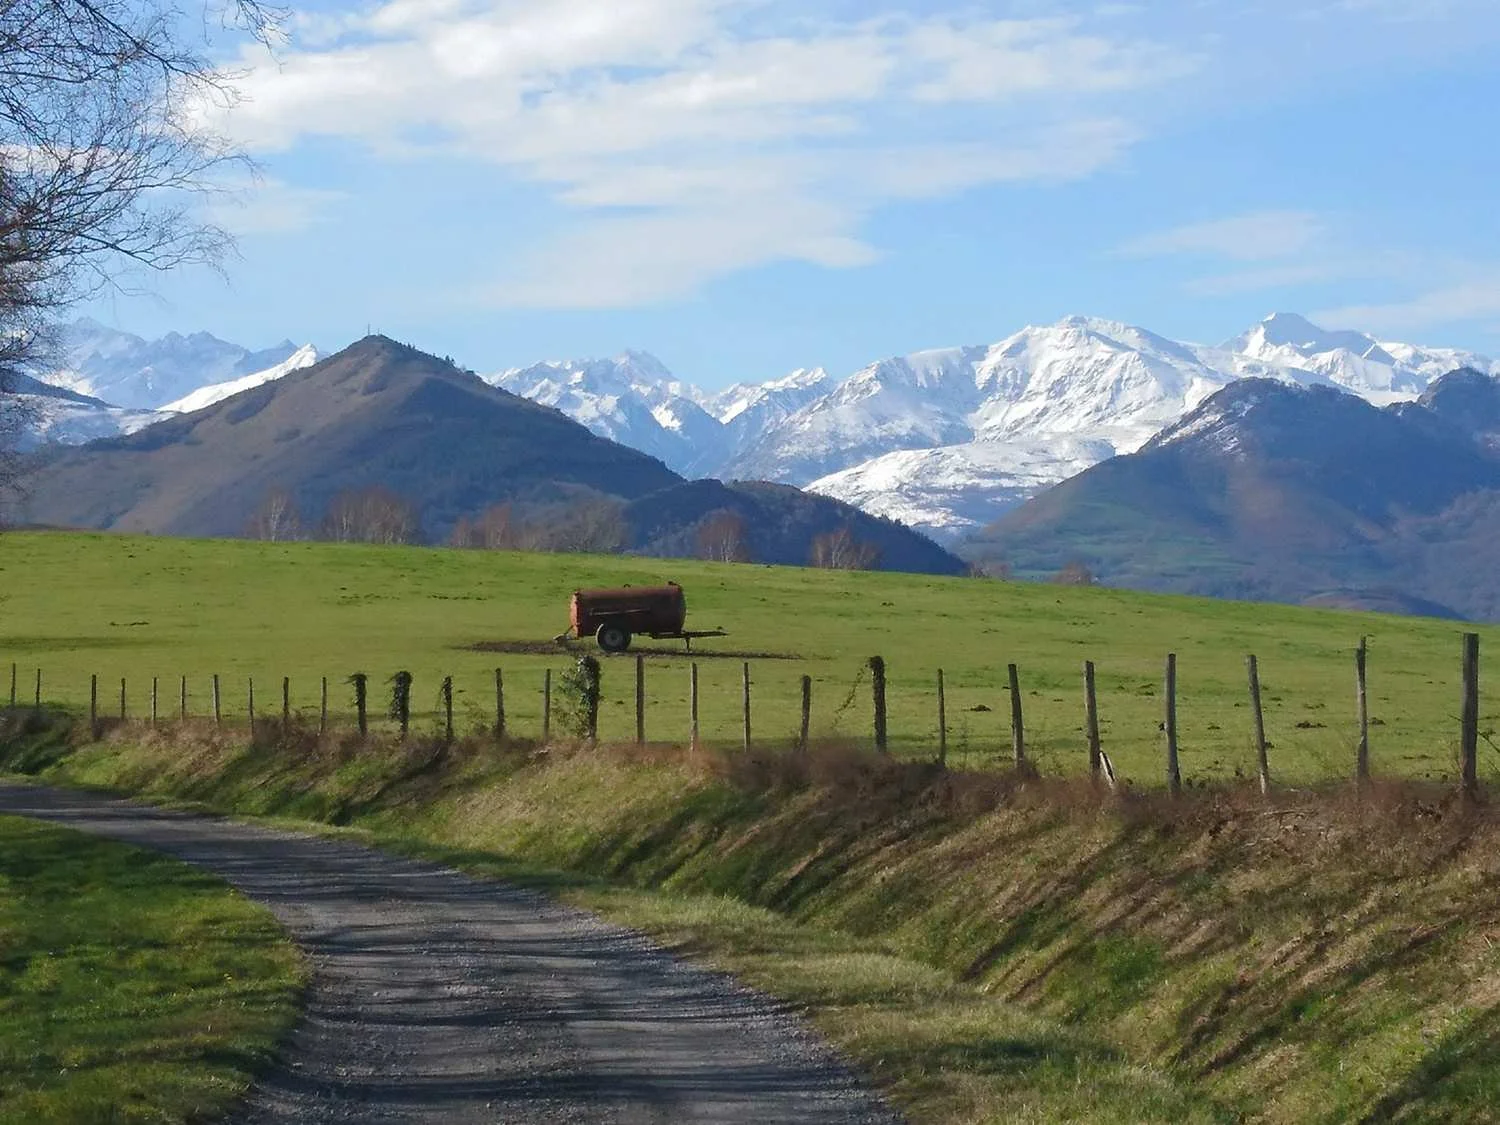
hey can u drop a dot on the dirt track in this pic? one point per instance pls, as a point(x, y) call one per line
point(437, 997)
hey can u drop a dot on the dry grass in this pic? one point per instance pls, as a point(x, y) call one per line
point(984, 942)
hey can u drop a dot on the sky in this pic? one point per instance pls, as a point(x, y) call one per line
point(746, 187)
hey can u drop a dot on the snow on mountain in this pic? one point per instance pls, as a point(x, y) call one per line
point(132, 372)
point(1088, 388)
point(944, 439)
point(57, 415)
point(632, 399)
point(951, 490)
point(305, 356)
point(911, 402)
point(1379, 372)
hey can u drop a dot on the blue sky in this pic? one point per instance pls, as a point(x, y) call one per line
point(747, 186)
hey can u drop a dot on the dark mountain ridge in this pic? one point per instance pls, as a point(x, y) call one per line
point(1287, 493)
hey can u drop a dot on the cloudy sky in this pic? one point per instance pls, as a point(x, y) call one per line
point(747, 186)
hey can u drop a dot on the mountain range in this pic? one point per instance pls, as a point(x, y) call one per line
point(942, 440)
point(443, 444)
point(1269, 490)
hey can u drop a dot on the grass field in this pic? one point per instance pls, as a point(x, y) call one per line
point(132, 988)
point(137, 607)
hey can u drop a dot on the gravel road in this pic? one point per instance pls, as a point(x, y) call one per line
point(437, 997)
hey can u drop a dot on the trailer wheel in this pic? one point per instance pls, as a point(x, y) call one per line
point(613, 637)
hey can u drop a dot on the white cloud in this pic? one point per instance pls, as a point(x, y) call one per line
point(736, 136)
point(1470, 302)
point(1262, 236)
point(711, 219)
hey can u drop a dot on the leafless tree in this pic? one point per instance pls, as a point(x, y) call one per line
point(494, 529)
point(370, 515)
point(721, 537)
point(591, 524)
point(277, 518)
point(840, 550)
point(1074, 573)
point(103, 148)
point(997, 569)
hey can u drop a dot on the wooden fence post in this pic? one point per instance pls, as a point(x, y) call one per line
point(153, 700)
point(745, 694)
point(251, 705)
point(640, 700)
point(218, 712)
point(1017, 721)
point(1362, 710)
point(546, 706)
point(1258, 718)
point(286, 703)
point(877, 692)
point(1091, 721)
point(361, 683)
point(401, 688)
point(448, 709)
point(589, 666)
point(1174, 773)
point(942, 722)
point(806, 713)
point(38, 704)
point(693, 706)
point(499, 705)
point(1470, 720)
point(182, 698)
point(122, 699)
point(323, 709)
point(93, 706)
point(13, 686)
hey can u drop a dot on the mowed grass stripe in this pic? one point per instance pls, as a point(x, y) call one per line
point(133, 988)
point(138, 607)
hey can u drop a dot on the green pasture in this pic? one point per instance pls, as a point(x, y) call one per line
point(75, 605)
point(132, 988)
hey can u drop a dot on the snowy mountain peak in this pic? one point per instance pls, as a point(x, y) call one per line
point(1297, 333)
point(305, 356)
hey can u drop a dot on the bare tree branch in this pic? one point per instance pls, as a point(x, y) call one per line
point(104, 148)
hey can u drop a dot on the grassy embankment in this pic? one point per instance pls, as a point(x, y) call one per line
point(987, 951)
point(132, 988)
point(138, 607)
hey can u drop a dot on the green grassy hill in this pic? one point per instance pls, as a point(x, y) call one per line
point(137, 607)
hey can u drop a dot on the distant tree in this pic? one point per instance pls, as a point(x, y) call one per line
point(595, 525)
point(277, 518)
point(494, 529)
point(997, 569)
point(15, 414)
point(1074, 573)
point(370, 515)
point(840, 550)
point(721, 537)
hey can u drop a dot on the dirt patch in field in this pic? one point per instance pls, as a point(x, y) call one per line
point(553, 648)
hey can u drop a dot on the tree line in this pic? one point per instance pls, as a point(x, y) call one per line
point(586, 524)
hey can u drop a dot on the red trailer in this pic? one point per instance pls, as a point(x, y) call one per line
point(613, 616)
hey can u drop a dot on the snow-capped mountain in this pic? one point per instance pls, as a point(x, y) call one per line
point(57, 415)
point(1058, 398)
point(305, 356)
point(944, 440)
point(128, 371)
point(632, 399)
